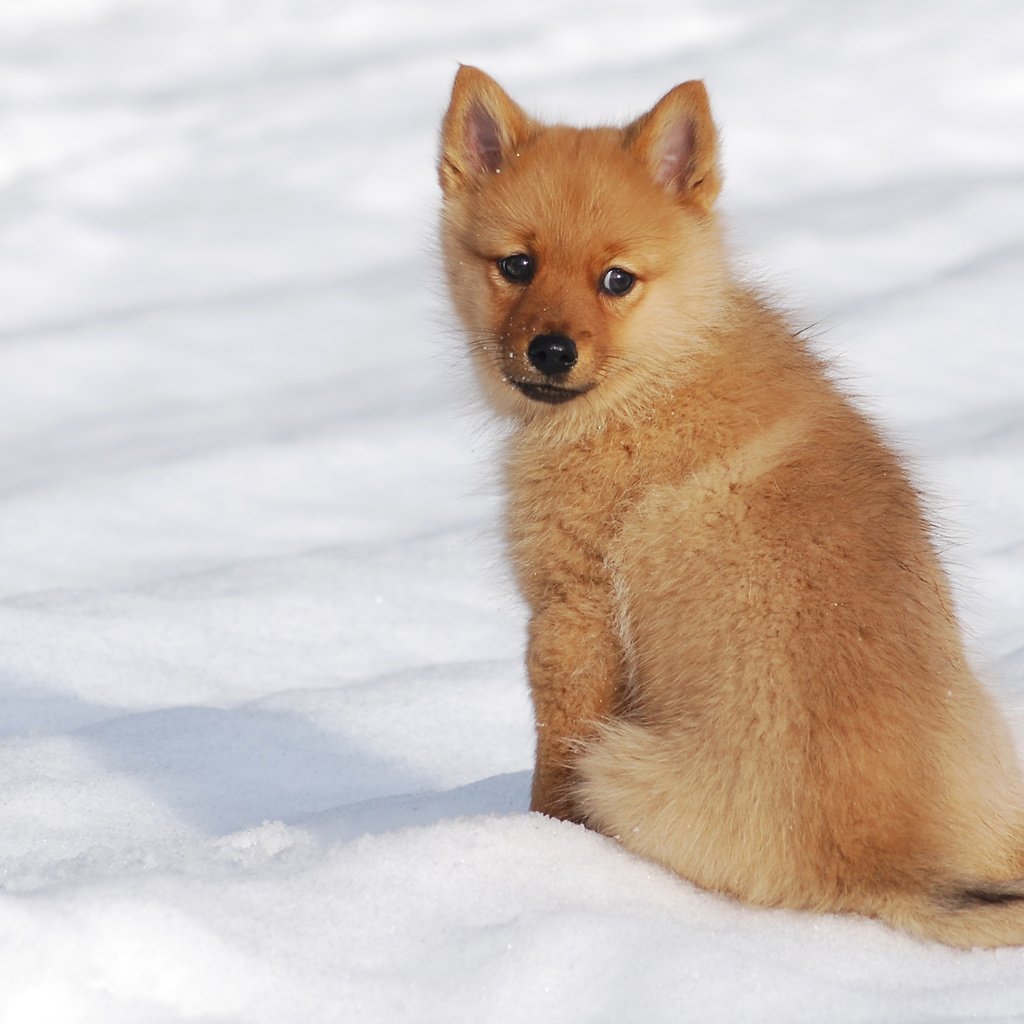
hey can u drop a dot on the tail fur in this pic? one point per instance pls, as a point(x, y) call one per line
point(983, 915)
point(663, 802)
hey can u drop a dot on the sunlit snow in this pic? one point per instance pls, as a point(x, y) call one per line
point(265, 738)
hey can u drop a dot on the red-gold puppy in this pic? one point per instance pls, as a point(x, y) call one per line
point(742, 652)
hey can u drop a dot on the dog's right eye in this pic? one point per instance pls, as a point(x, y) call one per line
point(518, 267)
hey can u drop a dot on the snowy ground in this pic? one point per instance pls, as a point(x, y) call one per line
point(264, 739)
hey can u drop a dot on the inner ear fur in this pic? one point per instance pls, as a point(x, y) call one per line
point(678, 142)
point(481, 130)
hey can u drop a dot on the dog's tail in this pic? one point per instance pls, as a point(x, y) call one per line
point(636, 786)
point(968, 915)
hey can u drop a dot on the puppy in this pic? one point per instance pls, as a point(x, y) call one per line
point(743, 657)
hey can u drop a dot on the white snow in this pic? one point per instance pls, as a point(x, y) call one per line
point(265, 740)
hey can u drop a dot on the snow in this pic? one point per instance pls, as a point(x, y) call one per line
point(265, 740)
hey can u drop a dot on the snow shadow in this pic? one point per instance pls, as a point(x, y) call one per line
point(226, 770)
point(28, 709)
point(500, 794)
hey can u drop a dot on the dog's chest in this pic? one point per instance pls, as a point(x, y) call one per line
point(566, 507)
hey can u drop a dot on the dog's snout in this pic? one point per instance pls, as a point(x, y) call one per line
point(552, 354)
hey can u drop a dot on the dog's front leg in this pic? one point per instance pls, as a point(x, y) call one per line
point(575, 666)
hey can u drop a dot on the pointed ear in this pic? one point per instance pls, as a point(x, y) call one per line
point(678, 142)
point(481, 130)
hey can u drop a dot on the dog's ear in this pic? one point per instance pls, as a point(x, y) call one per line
point(481, 130)
point(678, 142)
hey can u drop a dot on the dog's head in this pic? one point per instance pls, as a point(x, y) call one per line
point(585, 264)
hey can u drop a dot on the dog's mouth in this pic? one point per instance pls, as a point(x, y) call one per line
point(551, 394)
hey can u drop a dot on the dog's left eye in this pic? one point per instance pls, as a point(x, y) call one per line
point(617, 281)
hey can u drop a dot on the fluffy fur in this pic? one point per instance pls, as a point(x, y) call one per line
point(742, 652)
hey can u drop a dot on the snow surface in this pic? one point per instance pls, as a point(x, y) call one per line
point(265, 741)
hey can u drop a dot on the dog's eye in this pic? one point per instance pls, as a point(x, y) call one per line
point(617, 281)
point(517, 267)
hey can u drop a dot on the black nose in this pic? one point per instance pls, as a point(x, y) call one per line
point(552, 354)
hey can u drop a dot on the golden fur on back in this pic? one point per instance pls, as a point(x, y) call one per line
point(742, 651)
